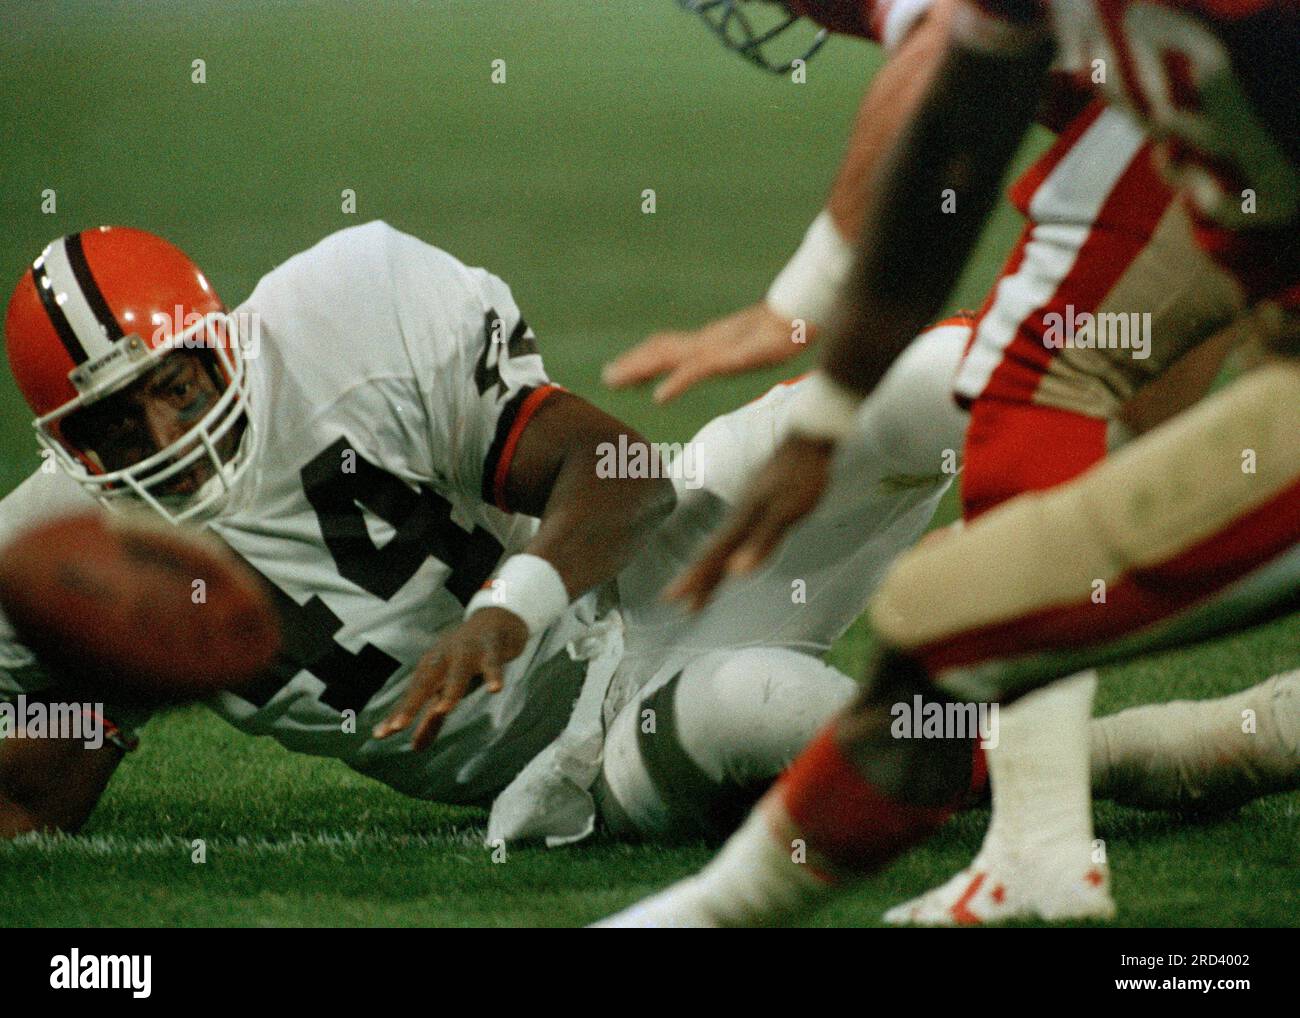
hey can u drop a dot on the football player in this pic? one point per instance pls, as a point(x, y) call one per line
point(1104, 234)
point(374, 433)
point(1188, 534)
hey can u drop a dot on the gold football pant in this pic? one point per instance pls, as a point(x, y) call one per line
point(1190, 531)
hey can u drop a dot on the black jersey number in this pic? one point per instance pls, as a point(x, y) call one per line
point(338, 483)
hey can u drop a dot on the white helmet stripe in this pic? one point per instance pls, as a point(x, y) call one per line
point(77, 296)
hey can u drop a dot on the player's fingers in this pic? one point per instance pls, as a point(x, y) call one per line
point(700, 576)
point(697, 584)
point(790, 490)
point(428, 728)
point(423, 685)
point(647, 360)
point(454, 689)
point(460, 672)
point(763, 538)
point(463, 671)
point(686, 374)
point(729, 351)
point(493, 676)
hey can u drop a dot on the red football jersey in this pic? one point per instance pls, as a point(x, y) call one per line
point(1217, 84)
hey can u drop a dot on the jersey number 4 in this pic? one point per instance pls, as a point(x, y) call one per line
point(338, 483)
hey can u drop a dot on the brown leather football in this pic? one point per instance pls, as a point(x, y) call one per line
point(136, 609)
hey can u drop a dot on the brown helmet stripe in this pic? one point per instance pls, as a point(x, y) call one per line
point(90, 289)
point(68, 337)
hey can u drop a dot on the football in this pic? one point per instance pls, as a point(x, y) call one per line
point(136, 610)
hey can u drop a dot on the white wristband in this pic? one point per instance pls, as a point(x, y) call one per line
point(809, 287)
point(530, 587)
point(822, 408)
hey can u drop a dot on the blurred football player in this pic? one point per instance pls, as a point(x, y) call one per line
point(374, 433)
point(1104, 235)
point(1190, 537)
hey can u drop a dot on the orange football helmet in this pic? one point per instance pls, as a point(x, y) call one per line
point(97, 310)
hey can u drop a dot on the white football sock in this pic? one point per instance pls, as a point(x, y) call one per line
point(1214, 754)
point(1038, 773)
point(757, 879)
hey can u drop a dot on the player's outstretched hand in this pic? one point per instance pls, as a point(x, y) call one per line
point(475, 651)
point(751, 338)
point(786, 490)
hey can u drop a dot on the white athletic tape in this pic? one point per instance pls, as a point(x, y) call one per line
point(809, 287)
point(530, 587)
point(823, 408)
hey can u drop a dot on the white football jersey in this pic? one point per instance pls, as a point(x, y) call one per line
point(385, 379)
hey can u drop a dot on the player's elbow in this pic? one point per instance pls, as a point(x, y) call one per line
point(638, 476)
point(646, 502)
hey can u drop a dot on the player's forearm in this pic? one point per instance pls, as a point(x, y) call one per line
point(588, 478)
point(893, 95)
point(595, 520)
point(817, 276)
point(927, 206)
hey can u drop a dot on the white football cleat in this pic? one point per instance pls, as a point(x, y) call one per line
point(681, 906)
point(752, 881)
point(993, 890)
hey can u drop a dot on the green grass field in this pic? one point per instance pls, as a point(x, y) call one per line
point(539, 179)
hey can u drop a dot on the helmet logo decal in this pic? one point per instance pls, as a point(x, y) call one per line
point(104, 370)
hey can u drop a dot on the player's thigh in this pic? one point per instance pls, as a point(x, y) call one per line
point(1188, 530)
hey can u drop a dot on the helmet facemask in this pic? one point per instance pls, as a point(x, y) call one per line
point(214, 340)
point(748, 27)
